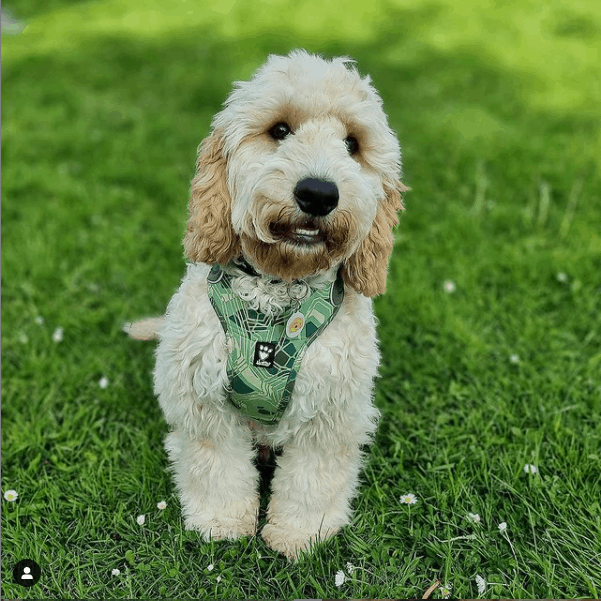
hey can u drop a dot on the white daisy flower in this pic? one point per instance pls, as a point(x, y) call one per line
point(339, 578)
point(562, 277)
point(449, 287)
point(103, 382)
point(141, 519)
point(502, 526)
point(445, 591)
point(473, 517)
point(530, 469)
point(116, 572)
point(409, 499)
point(481, 584)
point(350, 567)
point(514, 359)
point(162, 505)
point(210, 567)
point(39, 320)
point(11, 495)
point(218, 579)
point(23, 338)
point(58, 335)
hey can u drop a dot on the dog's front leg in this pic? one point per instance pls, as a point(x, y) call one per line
point(311, 490)
point(217, 482)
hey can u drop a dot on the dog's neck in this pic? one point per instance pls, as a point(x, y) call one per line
point(315, 280)
point(270, 295)
point(243, 265)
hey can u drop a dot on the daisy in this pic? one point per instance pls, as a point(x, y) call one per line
point(473, 517)
point(116, 572)
point(449, 287)
point(11, 495)
point(210, 567)
point(23, 338)
point(162, 505)
point(445, 591)
point(218, 579)
point(562, 277)
point(141, 519)
point(39, 320)
point(350, 567)
point(502, 526)
point(514, 359)
point(530, 469)
point(409, 499)
point(103, 382)
point(58, 334)
point(340, 578)
point(481, 584)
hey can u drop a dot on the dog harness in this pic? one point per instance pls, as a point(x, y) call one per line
point(266, 352)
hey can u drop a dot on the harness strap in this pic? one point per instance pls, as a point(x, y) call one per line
point(266, 352)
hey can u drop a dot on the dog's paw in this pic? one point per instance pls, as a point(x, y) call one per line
point(219, 529)
point(292, 541)
point(229, 523)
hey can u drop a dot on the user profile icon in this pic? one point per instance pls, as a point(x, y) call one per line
point(27, 572)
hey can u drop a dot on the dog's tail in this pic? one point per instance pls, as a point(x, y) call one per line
point(144, 329)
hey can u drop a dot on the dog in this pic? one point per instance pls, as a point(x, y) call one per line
point(271, 338)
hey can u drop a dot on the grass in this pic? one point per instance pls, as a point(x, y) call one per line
point(497, 109)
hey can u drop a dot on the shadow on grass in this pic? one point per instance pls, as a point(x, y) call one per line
point(121, 119)
point(439, 101)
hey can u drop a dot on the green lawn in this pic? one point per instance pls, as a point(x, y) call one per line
point(490, 328)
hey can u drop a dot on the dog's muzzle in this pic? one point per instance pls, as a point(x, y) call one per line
point(316, 197)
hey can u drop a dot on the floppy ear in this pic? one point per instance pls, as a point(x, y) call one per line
point(210, 237)
point(366, 270)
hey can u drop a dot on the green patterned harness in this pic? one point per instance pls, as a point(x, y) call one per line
point(266, 352)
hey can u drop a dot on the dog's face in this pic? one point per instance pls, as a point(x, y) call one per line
point(300, 175)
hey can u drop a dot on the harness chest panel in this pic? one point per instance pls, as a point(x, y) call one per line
point(266, 352)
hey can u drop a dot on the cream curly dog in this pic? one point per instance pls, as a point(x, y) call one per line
point(292, 207)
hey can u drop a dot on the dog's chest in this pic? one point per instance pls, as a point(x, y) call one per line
point(265, 350)
point(339, 365)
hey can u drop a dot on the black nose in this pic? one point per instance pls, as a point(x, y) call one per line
point(316, 197)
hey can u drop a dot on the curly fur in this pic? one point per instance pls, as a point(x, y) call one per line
point(243, 206)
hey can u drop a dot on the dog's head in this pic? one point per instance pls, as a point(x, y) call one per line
point(299, 175)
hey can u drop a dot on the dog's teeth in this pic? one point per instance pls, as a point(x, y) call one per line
point(306, 232)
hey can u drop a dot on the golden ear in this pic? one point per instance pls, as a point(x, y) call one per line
point(210, 237)
point(366, 270)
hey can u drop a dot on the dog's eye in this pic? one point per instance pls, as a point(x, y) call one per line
point(280, 131)
point(352, 145)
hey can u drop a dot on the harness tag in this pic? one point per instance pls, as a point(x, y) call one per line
point(295, 324)
point(264, 354)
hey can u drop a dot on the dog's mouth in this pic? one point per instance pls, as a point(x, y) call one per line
point(292, 247)
point(308, 234)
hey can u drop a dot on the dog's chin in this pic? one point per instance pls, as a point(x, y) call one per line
point(282, 245)
point(295, 254)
